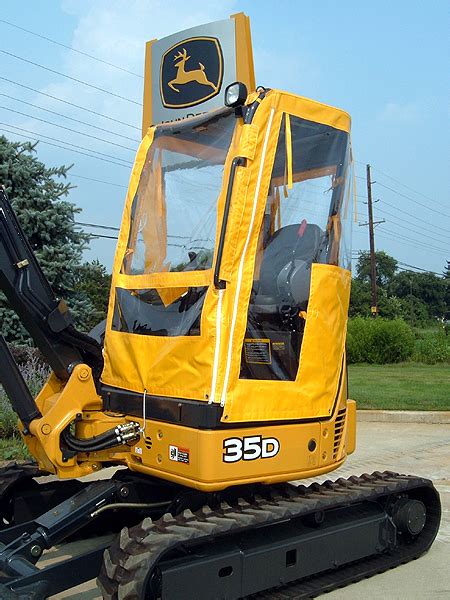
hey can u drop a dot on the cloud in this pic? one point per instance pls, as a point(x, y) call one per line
point(279, 70)
point(113, 31)
point(408, 112)
point(116, 31)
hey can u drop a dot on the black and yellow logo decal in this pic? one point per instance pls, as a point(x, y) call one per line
point(191, 72)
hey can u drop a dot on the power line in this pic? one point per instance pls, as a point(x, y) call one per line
point(97, 180)
point(97, 226)
point(441, 214)
point(180, 237)
point(94, 236)
point(419, 268)
point(424, 244)
point(70, 118)
point(90, 85)
point(68, 143)
point(37, 139)
point(43, 37)
point(92, 137)
point(421, 220)
point(414, 242)
point(403, 270)
point(409, 188)
point(424, 234)
point(356, 256)
point(27, 87)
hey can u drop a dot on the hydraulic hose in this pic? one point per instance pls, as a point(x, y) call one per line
point(113, 437)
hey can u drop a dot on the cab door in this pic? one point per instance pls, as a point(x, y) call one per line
point(162, 312)
point(287, 333)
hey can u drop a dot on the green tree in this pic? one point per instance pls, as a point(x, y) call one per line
point(95, 282)
point(421, 289)
point(359, 299)
point(386, 268)
point(38, 196)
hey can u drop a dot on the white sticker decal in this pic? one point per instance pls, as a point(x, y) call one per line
point(178, 454)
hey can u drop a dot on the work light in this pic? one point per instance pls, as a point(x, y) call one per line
point(235, 94)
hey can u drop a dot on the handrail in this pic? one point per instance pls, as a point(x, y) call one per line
point(238, 161)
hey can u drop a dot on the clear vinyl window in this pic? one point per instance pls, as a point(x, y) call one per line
point(173, 222)
point(308, 201)
point(157, 312)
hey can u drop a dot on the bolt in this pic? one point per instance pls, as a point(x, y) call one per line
point(46, 429)
point(124, 491)
point(35, 551)
point(160, 434)
point(83, 373)
point(96, 467)
point(159, 458)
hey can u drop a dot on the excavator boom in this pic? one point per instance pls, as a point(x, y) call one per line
point(47, 319)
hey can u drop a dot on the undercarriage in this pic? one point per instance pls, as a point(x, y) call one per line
point(172, 543)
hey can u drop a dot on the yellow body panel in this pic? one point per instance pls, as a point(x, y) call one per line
point(305, 450)
point(207, 470)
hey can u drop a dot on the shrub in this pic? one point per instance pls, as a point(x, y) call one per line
point(379, 340)
point(35, 374)
point(432, 349)
point(24, 354)
point(357, 340)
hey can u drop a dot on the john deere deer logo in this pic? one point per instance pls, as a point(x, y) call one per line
point(184, 76)
point(191, 72)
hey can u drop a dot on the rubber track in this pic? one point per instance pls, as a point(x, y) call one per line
point(11, 475)
point(139, 550)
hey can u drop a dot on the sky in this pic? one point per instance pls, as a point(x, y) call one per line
point(386, 63)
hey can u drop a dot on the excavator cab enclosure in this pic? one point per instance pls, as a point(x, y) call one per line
point(224, 371)
point(230, 293)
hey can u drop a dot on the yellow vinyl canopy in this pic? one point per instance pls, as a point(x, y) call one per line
point(170, 330)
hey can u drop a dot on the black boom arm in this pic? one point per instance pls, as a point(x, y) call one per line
point(47, 319)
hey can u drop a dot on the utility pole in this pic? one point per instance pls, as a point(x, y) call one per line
point(373, 266)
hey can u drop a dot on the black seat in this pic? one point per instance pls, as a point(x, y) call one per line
point(286, 265)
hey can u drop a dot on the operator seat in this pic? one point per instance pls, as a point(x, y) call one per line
point(285, 273)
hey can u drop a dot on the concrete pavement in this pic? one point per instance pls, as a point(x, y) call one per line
point(410, 448)
point(414, 448)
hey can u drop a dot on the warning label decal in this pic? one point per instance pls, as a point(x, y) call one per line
point(257, 351)
point(178, 454)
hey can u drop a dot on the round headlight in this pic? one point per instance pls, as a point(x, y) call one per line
point(235, 94)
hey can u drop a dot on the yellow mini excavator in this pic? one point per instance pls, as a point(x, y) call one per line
point(220, 376)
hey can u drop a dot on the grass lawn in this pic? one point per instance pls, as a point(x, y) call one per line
point(406, 386)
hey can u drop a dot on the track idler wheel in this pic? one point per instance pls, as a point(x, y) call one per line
point(409, 516)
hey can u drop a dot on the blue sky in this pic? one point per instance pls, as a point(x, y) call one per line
point(386, 63)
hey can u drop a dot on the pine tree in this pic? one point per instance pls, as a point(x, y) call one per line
point(38, 197)
point(95, 282)
point(446, 273)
